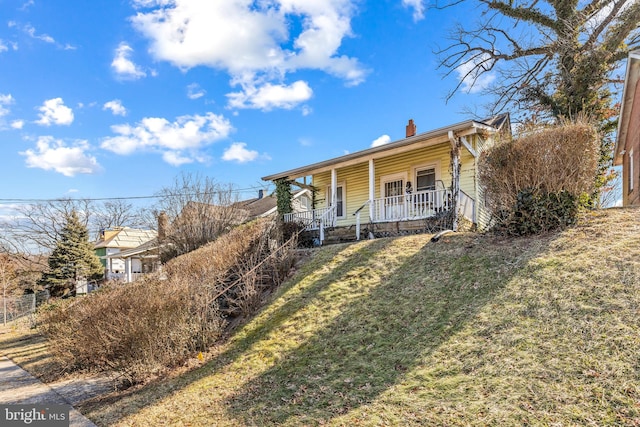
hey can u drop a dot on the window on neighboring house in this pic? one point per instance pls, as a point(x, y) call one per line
point(305, 203)
point(339, 200)
point(426, 179)
point(631, 171)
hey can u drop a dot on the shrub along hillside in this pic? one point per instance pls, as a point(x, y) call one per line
point(140, 329)
point(471, 330)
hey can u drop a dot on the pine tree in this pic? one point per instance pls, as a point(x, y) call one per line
point(72, 259)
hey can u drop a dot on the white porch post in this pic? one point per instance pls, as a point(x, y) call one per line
point(127, 270)
point(372, 188)
point(334, 186)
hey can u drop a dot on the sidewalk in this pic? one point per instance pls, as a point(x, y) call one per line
point(17, 386)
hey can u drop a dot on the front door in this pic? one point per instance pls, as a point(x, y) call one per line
point(394, 198)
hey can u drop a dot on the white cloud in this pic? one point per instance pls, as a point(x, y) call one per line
point(5, 100)
point(17, 124)
point(123, 66)
point(150, 3)
point(32, 32)
point(277, 37)
point(417, 6)
point(194, 91)
point(472, 80)
point(382, 140)
point(5, 45)
point(237, 152)
point(271, 96)
point(116, 107)
point(26, 5)
point(52, 154)
point(53, 111)
point(175, 158)
point(179, 141)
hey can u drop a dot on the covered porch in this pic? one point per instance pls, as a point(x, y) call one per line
point(422, 205)
point(425, 176)
point(138, 262)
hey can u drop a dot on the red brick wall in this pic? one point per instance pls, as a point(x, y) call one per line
point(633, 142)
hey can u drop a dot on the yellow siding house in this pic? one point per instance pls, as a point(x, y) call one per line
point(405, 181)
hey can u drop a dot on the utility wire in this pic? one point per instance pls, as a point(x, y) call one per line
point(101, 199)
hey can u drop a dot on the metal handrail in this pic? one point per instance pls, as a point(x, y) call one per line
point(362, 207)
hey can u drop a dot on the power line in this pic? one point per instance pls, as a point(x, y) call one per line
point(102, 199)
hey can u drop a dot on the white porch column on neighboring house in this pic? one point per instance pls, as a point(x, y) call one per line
point(372, 187)
point(127, 270)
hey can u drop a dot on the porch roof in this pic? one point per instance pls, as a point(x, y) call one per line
point(151, 245)
point(630, 81)
point(432, 137)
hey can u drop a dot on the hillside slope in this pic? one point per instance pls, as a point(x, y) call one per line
point(472, 330)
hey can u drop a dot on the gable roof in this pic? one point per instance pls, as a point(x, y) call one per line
point(261, 207)
point(631, 80)
point(126, 238)
point(257, 206)
point(493, 124)
point(147, 247)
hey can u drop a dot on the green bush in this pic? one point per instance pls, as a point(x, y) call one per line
point(540, 212)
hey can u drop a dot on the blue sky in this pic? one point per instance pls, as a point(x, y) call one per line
point(115, 98)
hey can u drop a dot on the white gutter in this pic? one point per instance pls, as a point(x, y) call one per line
point(469, 126)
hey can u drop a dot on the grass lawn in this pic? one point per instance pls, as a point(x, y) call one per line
point(28, 348)
point(471, 330)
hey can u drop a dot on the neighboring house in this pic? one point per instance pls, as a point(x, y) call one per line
point(113, 247)
point(400, 184)
point(128, 254)
point(264, 206)
point(627, 148)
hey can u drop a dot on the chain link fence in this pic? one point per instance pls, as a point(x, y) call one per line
point(20, 307)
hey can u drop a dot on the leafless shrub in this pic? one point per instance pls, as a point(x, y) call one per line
point(560, 161)
point(140, 329)
point(136, 330)
point(198, 210)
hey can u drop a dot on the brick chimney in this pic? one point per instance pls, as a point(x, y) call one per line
point(163, 223)
point(411, 128)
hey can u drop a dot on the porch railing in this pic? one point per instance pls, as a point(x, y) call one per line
point(418, 205)
point(314, 218)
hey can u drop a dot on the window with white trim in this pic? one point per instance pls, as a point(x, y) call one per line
point(426, 179)
point(340, 200)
